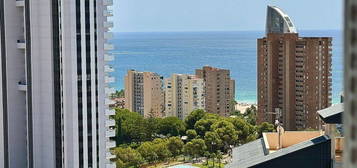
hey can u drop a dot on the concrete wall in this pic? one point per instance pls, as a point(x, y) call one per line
point(42, 84)
point(289, 138)
point(15, 71)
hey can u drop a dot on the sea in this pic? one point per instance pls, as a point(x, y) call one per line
point(182, 52)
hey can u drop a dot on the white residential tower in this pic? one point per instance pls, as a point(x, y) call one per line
point(183, 94)
point(54, 84)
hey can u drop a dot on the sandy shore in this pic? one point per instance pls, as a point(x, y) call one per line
point(243, 106)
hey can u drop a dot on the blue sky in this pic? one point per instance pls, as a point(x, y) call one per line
point(221, 15)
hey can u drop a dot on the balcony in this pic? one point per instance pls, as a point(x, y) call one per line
point(108, 68)
point(110, 144)
point(22, 86)
point(108, 2)
point(108, 13)
point(109, 79)
point(110, 165)
point(108, 35)
point(108, 57)
point(110, 133)
point(109, 102)
point(108, 24)
point(108, 155)
point(109, 91)
point(108, 46)
point(21, 44)
point(109, 112)
point(20, 3)
point(109, 123)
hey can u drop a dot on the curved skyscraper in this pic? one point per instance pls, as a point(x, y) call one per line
point(278, 21)
point(294, 74)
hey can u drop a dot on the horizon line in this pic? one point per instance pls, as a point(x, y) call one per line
point(188, 31)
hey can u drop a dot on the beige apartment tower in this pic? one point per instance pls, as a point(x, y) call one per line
point(294, 74)
point(219, 90)
point(183, 94)
point(144, 93)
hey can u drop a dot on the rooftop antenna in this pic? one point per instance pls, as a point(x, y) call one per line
point(279, 126)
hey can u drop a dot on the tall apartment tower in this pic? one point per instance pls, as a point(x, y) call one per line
point(144, 93)
point(219, 90)
point(53, 104)
point(294, 74)
point(183, 94)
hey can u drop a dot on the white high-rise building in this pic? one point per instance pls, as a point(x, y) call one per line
point(54, 84)
point(183, 94)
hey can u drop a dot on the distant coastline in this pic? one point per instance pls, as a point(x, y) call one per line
point(183, 52)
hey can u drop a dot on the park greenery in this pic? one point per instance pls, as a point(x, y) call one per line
point(148, 141)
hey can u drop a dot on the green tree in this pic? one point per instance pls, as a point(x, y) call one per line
point(130, 127)
point(251, 115)
point(204, 125)
point(191, 134)
point(226, 132)
point(128, 157)
point(120, 164)
point(175, 146)
point(236, 113)
point(171, 126)
point(193, 117)
point(246, 131)
point(195, 148)
point(213, 141)
point(148, 151)
point(162, 151)
point(219, 157)
point(265, 127)
point(152, 127)
point(159, 147)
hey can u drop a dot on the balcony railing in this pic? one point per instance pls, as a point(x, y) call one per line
point(109, 90)
point(108, 57)
point(109, 79)
point(108, 24)
point(109, 112)
point(108, 35)
point(20, 3)
point(110, 133)
point(21, 44)
point(108, 2)
point(22, 86)
point(108, 155)
point(110, 123)
point(109, 102)
point(108, 46)
point(108, 68)
point(110, 144)
point(108, 13)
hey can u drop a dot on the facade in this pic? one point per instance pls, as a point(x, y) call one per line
point(54, 84)
point(219, 90)
point(144, 93)
point(350, 97)
point(183, 94)
point(294, 78)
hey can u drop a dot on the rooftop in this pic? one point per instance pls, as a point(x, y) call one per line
point(333, 114)
point(266, 149)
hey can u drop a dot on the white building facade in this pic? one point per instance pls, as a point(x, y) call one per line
point(183, 94)
point(54, 106)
